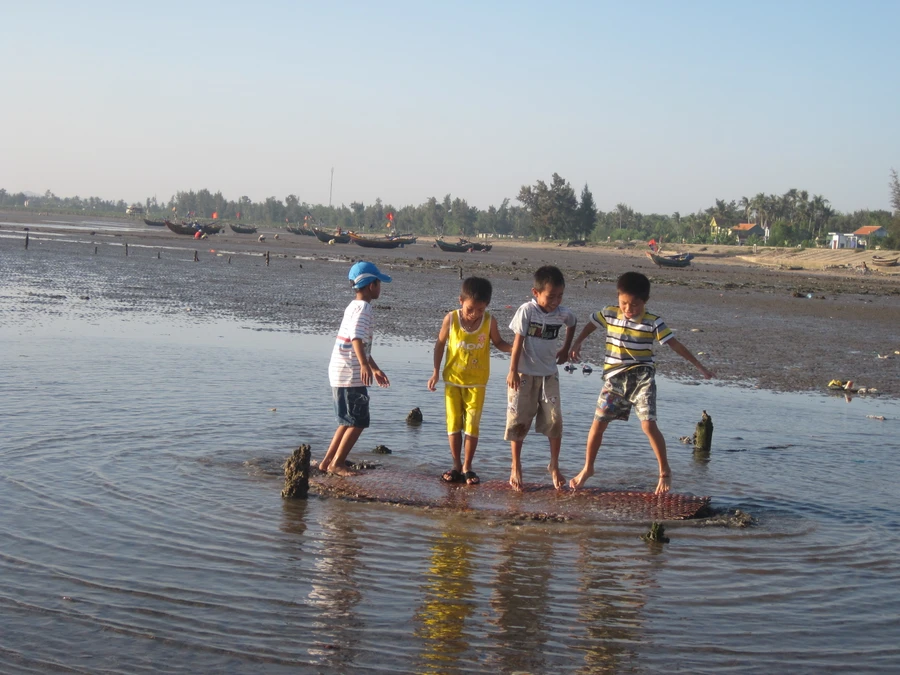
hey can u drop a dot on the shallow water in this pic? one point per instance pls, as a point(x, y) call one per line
point(143, 529)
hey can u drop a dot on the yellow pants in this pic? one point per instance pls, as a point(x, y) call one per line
point(464, 406)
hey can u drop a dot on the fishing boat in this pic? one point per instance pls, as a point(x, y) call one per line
point(243, 229)
point(155, 223)
point(885, 261)
point(180, 228)
point(328, 237)
point(374, 242)
point(462, 246)
point(300, 229)
point(404, 239)
point(677, 260)
point(191, 229)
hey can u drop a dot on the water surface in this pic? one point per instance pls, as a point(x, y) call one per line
point(143, 530)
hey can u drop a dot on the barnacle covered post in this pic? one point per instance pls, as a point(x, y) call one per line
point(296, 473)
point(703, 435)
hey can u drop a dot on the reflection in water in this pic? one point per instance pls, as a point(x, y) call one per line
point(334, 591)
point(611, 598)
point(521, 600)
point(448, 600)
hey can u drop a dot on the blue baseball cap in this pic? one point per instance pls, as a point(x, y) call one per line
point(364, 273)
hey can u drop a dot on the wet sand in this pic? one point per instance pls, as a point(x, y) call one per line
point(755, 320)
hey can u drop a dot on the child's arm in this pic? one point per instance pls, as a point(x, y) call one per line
point(439, 346)
point(497, 339)
point(685, 353)
point(365, 369)
point(512, 380)
point(380, 378)
point(589, 328)
point(563, 354)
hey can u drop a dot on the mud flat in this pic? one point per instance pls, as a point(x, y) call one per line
point(756, 320)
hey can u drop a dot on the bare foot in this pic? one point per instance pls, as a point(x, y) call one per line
point(515, 479)
point(664, 484)
point(323, 466)
point(559, 480)
point(340, 471)
point(581, 478)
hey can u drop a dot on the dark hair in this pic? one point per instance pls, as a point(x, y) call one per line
point(634, 283)
point(548, 275)
point(477, 289)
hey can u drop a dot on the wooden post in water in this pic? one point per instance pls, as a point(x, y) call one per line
point(703, 435)
point(296, 473)
point(267, 258)
point(95, 250)
point(126, 249)
point(229, 260)
point(26, 239)
point(157, 255)
point(196, 257)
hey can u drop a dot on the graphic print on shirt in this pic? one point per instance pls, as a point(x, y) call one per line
point(543, 331)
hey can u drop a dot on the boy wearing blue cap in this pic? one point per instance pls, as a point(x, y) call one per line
point(352, 368)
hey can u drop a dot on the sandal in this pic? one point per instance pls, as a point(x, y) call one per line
point(452, 476)
point(471, 478)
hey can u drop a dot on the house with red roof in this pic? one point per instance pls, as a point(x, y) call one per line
point(866, 235)
point(744, 231)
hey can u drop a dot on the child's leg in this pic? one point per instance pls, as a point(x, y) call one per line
point(658, 444)
point(456, 444)
point(515, 474)
point(339, 461)
point(594, 440)
point(332, 448)
point(549, 422)
point(455, 417)
point(471, 446)
point(474, 404)
point(558, 479)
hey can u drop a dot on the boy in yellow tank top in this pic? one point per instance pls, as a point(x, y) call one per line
point(466, 334)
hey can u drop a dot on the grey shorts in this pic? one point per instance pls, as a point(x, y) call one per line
point(636, 387)
point(537, 398)
point(351, 406)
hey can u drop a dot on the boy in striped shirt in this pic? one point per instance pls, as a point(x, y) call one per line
point(352, 368)
point(628, 371)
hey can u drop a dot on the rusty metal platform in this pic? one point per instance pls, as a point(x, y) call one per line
point(538, 502)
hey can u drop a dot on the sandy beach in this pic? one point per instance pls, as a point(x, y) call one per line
point(778, 319)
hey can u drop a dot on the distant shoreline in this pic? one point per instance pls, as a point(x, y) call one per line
point(779, 329)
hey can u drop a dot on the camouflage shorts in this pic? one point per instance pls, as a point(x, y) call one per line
point(636, 387)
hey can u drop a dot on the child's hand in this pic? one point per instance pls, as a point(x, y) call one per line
point(365, 374)
point(561, 357)
point(381, 379)
point(512, 381)
point(576, 352)
point(432, 381)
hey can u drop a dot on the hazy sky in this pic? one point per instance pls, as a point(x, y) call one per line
point(664, 106)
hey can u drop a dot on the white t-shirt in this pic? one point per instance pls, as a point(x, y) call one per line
point(358, 323)
point(542, 331)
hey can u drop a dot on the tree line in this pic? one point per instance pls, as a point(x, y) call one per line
point(546, 211)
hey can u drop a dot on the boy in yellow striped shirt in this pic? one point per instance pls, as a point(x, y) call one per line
point(628, 371)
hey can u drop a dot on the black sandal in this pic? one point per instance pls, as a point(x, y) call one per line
point(452, 476)
point(471, 478)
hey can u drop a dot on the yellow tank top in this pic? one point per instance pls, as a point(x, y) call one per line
point(468, 361)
